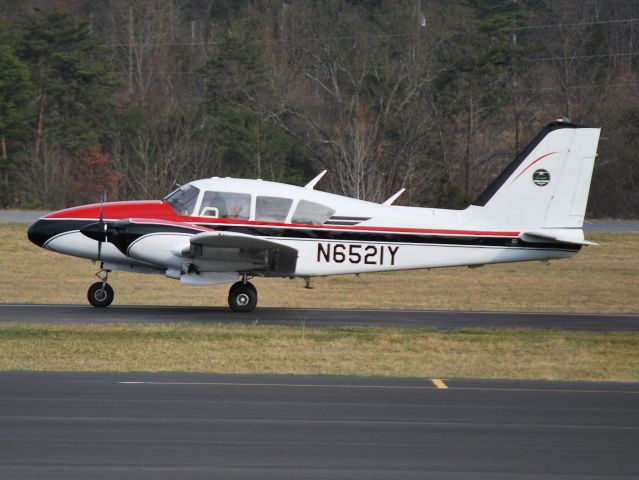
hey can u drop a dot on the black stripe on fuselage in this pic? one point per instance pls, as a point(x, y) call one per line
point(341, 223)
point(124, 232)
point(342, 217)
point(43, 230)
point(388, 237)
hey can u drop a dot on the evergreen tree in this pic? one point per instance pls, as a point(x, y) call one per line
point(237, 99)
point(475, 87)
point(15, 98)
point(74, 85)
point(75, 95)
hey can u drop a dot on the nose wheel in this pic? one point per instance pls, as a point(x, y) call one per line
point(101, 294)
point(242, 297)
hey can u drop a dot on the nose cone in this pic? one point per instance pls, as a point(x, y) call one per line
point(43, 230)
point(40, 231)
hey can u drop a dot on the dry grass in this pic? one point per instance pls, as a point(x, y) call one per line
point(599, 279)
point(515, 354)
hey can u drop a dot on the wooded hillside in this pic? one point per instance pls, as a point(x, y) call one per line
point(133, 96)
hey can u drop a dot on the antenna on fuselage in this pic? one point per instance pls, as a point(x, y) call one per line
point(394, 197)
point(310, 185)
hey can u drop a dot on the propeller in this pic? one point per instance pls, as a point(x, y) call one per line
point(98, 231)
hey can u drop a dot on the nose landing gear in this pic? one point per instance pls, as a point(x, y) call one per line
point(100, 294)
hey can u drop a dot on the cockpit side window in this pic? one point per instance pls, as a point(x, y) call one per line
point(183, 199)
point(312, 213)
point(226, 205)
point(272, 209)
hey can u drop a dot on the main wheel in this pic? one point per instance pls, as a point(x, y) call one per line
point(100, 294)
point(242, 297)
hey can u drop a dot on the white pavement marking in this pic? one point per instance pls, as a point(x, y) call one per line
point(433, 386)
point(287, 385)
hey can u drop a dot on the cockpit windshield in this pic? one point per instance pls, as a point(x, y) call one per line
point(183, 199)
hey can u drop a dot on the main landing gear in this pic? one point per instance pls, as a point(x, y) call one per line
point(101, 294)
point(243, 296)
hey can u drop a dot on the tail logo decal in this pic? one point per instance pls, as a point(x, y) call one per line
point(531, 164)
point(541, 177)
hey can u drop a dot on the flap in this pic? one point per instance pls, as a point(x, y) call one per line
point(274, 256)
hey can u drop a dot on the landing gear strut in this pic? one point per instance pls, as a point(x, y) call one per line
point(101, 294)
point(243, 296)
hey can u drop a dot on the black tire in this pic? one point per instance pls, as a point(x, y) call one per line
point(243, 297)
point(100, 296)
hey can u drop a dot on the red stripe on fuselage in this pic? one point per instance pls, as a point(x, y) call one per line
point(161, 212)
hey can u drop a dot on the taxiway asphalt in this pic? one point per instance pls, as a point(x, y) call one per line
point(317, 317)
point(152, 426)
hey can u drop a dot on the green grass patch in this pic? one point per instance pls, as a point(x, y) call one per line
point(508, 354)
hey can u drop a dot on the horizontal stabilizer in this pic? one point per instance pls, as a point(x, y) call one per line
point(553, 237)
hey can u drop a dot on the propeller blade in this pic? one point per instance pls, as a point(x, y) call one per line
point(101, 226)
point(99, 250)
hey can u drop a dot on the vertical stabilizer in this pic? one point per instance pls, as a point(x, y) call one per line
point(547, 184)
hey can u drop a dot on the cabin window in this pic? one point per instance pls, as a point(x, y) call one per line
point(183, 199)
point(312, 213)
point(272, 209)
point(226, 205)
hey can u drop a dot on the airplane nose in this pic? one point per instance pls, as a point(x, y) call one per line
point(40, 231)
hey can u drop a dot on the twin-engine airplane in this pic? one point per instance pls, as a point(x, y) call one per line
point(217, 230)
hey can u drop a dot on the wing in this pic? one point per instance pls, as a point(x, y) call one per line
point(266, 256)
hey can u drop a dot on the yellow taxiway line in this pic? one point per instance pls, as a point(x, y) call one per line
point(439, 383)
